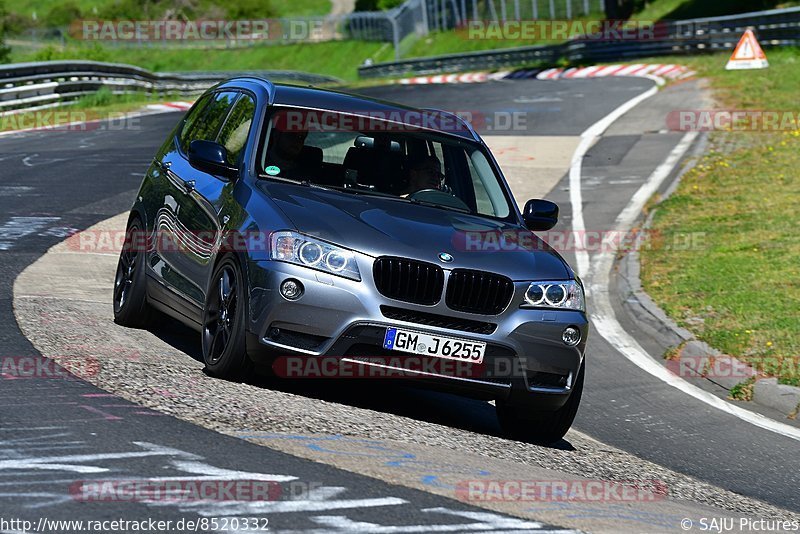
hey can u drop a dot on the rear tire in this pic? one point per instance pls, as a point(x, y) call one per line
point(544, 428)
point(130, 281)
point(224, 320)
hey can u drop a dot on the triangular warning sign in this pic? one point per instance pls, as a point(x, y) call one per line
point(748, 54)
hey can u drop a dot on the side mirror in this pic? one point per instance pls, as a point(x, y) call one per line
point(211, 157)
point(540, 214)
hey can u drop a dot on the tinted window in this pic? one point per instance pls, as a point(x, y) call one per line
point(209, 120)
point(233, 135)
point(366, 155)
point(190, 119)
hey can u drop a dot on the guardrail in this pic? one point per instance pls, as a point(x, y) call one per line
point(25, 86)
point(777, 27)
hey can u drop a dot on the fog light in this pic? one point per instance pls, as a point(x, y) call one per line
point(571, 336)
point(291, 289)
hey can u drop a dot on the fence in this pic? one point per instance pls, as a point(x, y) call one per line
point(418, 17)
point(413, 18)
point(778, 27)
point(26, 86)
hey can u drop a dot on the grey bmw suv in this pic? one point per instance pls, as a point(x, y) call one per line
point(321, 234)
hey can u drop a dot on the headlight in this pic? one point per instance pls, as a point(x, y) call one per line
point(564, 294)
point(293, 247)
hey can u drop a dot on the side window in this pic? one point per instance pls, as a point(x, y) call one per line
point(233, 135)
point(189, 121)
point(209, 121)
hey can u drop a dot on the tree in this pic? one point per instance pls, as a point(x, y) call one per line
point(5, 52)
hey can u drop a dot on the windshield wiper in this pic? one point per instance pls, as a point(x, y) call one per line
point(436, 205)
point(357, 190)
point(294, 181)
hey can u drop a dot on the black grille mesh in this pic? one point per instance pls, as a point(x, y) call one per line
point(408, 280)
point(478, 292)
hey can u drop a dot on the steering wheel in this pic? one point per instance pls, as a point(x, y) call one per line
point(437, 196)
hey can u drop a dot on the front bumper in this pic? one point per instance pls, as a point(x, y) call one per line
point(526, 361)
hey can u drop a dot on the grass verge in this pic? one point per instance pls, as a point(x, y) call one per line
point(335, 58)
point(96, 106)
point(740, 290)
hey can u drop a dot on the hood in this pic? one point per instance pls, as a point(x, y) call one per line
point(378, 227)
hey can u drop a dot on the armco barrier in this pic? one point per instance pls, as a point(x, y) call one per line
point(50, 83)
point(777, 27)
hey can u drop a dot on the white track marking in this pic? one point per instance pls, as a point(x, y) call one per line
point(20, 227)
point(607, 325)
point(588, 138)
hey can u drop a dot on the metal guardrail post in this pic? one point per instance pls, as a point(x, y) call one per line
point(395, 38)
point(426, 28)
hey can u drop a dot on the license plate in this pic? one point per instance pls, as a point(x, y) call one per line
point(431, 345)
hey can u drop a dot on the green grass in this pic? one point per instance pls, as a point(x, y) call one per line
point(277, 8)
point(742, 198)
point(690, 9)
point(336, 58)
point(99, 105)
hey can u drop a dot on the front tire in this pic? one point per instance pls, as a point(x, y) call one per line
point(541, 427)
point(224, 320)
point(130, 290)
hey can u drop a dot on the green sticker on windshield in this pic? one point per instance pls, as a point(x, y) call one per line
point(272, 170)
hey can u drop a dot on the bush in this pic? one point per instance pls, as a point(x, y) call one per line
point(366, 5)
point(250, 9)
point(5, 52)
point(124, 10)
point(14, 23)
point(377, 5)
point(93, 52)
point(101, 97)
point(61, 14)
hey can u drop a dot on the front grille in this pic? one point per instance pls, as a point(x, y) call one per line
point(440, 321)
point(408, 280)
point(478, 292)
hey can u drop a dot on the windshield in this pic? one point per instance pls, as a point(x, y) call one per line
point(368, 156)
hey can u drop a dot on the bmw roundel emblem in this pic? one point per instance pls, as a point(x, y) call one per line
point(445, 257)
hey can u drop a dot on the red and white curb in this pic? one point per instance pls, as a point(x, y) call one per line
point(467, 77)
point(170, 106)
point(673, 72)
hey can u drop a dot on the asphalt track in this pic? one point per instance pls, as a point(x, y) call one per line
point(55, 432)
point(623, 405)
point(57, 181)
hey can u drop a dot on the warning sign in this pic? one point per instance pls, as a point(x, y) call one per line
point(748, 54)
